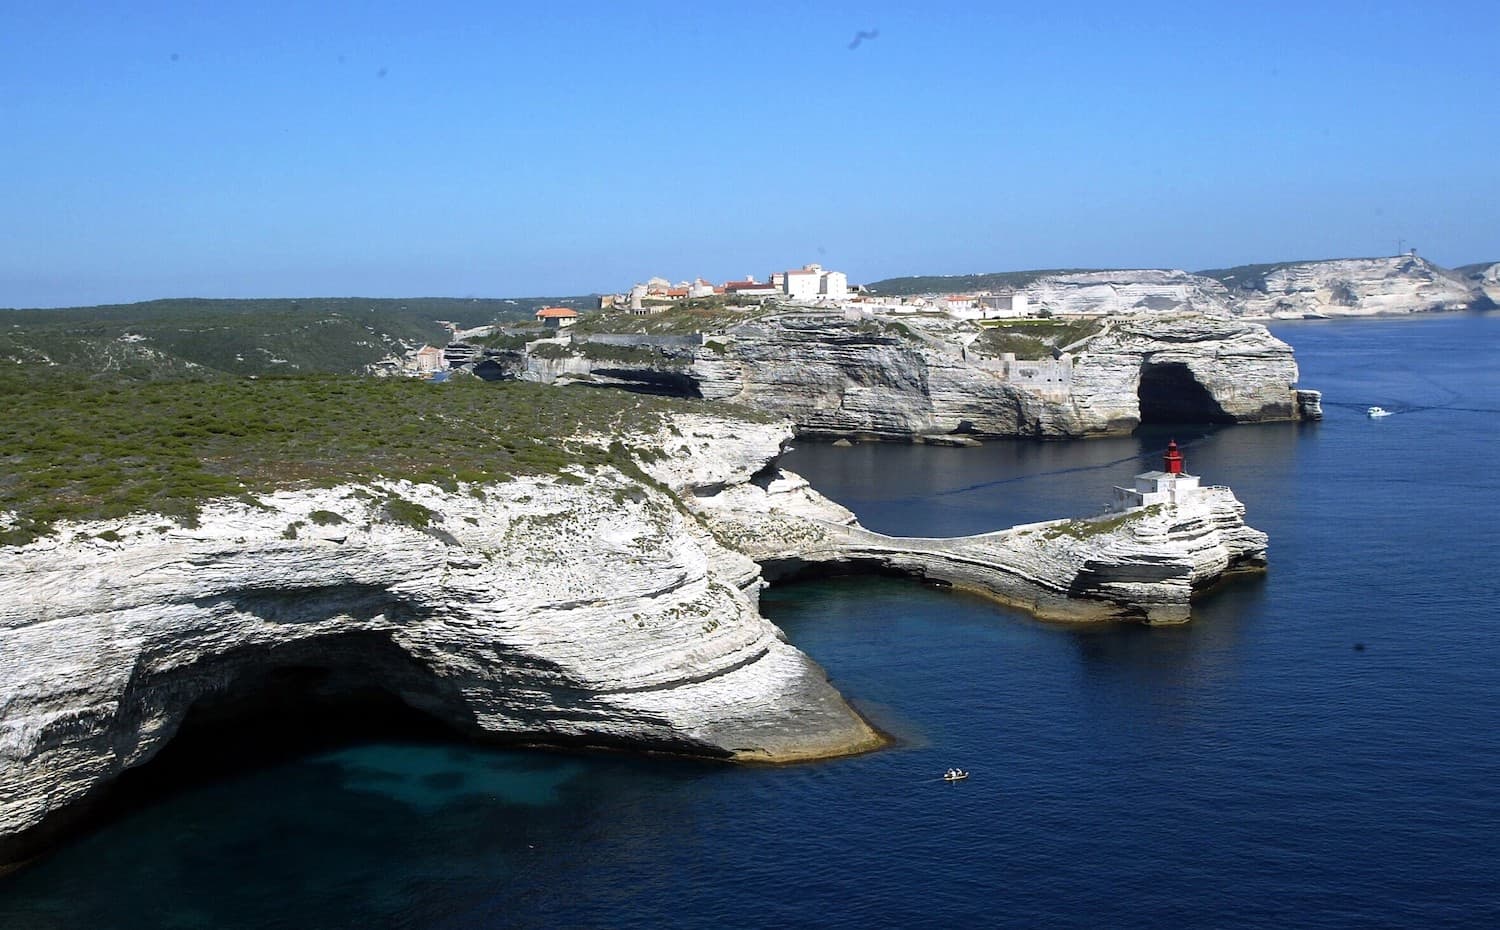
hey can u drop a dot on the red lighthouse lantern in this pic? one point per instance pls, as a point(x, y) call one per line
point(1173, 459)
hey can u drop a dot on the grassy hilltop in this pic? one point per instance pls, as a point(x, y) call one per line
point(75, 449)
point(912, 285)
point(169, 338)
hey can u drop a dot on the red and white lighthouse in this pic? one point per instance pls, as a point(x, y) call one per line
point(1171, 485)
point(1172, 461)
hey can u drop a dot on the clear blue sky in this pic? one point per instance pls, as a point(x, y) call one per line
point(497, 149)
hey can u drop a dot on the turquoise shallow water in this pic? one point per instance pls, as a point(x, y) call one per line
point(1252, 769)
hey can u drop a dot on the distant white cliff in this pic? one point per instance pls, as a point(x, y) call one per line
point(1347, 287)
point(1128, 292)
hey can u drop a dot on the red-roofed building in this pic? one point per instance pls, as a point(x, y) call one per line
point(557, 317)
point(751, 288)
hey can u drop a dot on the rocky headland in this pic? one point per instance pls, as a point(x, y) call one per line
point(913, 376)
point(588, 609)
point(1348, 287)
point(1129, 292)
point(605, 606)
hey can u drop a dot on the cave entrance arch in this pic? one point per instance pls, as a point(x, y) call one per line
point(257, 706)
point(650, 381)
point(280, 703)
point(1169, 393)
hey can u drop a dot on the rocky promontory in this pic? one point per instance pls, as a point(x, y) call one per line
point(587, 609)
point(841, 375)
point(1144, 565)
point(607, 605)
point(1128, 292)
point(1346, 287)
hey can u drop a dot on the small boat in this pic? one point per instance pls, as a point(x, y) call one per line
point(1377, 412)
point(955, 775)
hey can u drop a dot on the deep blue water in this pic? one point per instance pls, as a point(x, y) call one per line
point(1252, 769)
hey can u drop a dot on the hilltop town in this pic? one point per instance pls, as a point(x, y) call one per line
point(966, 306)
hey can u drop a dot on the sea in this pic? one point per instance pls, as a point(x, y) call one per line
point(1319, 747)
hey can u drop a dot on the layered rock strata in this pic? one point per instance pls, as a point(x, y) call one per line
point(1143, 565)
point(1350, 287)
point(1115, 293)
point(591, 611)
point(1486, 279)
point(836, 377)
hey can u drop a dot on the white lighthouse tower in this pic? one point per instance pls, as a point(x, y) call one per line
point(1172, 485)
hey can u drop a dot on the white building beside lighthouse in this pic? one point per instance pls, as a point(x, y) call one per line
point(1173, 485)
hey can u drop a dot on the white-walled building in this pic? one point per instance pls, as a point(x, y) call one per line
point(811, 282)
point(1002, 305)
point(803, 284)
point(834, 285)
point(1172, 486)
point(557, 317)
point(426, 360)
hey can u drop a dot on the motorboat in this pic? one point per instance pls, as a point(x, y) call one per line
point(955, 775)
point(1377, 412)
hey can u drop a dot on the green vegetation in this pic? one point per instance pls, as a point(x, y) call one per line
point(998, 342)
point(551, 350)
point(512, 338)
point(325, 518)
point(173, 338)
point(1253, 277)
point(963, 283)
point(409, 513)
point(1032, 339)
point(699, 315)
point(72, 450)
point(1085, 529)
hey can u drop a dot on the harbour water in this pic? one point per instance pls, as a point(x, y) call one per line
point(1319, 748)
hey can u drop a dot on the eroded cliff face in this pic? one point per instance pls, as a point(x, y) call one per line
point(1186, 368)
point(837, 377)
point(902, 378)
point(1350, 287)
point(590, 610)
point(1488, 283)
point(1128, 292)
point(593, 608)
point(1292, 290)
point(1144, 565)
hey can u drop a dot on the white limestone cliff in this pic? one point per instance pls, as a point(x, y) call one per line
point(1348, 287)
point(1487, 281)
point(1144, 565)
point(906, 378)
point(590, 610)
point(1115, 293)
point(837, 377)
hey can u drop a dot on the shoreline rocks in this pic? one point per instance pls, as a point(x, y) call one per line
point(598, 609)
point(593, 611)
